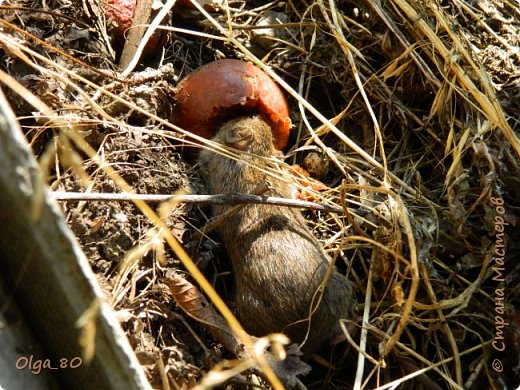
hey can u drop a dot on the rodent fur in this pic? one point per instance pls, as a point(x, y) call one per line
point(278, 264)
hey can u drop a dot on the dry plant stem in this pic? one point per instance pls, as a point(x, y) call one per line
point(487, 102)
point(153, 217)
point(142, 12)
point(425, 69)
point(363, 337)
point(263, 26)
point(193, 333)
point(429, 365)
point(337, 31)
point(215, 222)
point(231, 199)
point(422, 380)
point(46, 12)
point(347, 212)
point(460, 301)
point(460, 278)
point(172, 381)
point(97, 108)
point(315, 138)
point(470, 383)
point(162, 372)
point(305, 103)
point(12, 45)
point(486, 27)
point(514, 7)
point(415, 372)
point(300, 91)
point(10, 26)
point(182, 255)
point(129, 266)
point(99, 17)
point(192, 32)
point(195, 305)
point(442, 320)
point(149, 32)
point(413, 270)
point(353, 345)
point(220, 374)
point(457, 152)
point(391, 70)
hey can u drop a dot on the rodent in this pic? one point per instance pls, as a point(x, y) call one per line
point(278, 264)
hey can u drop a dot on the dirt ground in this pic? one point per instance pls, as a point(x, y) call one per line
point(430, 90)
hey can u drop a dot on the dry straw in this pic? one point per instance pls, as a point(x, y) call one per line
point(395, 95)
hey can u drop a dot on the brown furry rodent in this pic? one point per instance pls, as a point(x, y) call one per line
point(278, 265)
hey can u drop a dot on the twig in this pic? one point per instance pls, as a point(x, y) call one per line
point(142, 12)
point(231, 199)
point(218, 220)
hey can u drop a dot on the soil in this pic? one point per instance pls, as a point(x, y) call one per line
point(436, 138)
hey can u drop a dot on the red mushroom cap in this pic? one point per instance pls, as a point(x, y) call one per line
point(226, 88)
point(119, 15)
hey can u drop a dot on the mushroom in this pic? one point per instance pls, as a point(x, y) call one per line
point(119, 15)
point(228, 88)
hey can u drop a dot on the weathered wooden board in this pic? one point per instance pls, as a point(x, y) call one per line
point(48, 277)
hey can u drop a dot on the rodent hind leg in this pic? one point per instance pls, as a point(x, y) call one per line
point(257, 315)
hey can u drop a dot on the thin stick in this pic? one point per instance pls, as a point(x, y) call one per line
point(142, 12)
point(218, 220)
point(230, 199)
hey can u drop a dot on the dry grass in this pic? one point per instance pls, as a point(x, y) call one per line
point(397, 98)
